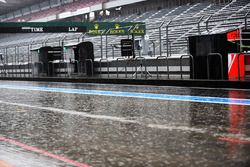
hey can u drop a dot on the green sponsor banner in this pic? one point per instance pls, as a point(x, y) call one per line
point(117, 28)
point(92, 28)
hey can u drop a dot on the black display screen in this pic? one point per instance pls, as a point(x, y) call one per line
point(42, 29)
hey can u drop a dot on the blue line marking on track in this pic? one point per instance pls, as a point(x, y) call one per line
point(200, 99)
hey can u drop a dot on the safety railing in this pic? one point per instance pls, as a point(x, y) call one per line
point(75, 64)
point(181, 64)
point(42, 68)
point(208, 64)
point(117, 67)
point(24, 70)
point(157, 66)
point(142, 62)
point(62, 69)
point(100, 66)
point(20, 69)
point(3, 71)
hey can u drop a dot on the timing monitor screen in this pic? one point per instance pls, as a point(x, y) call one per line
point(127, 47)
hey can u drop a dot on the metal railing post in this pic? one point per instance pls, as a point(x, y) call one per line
point(100, 65)
point(18, 54)
point(117, 70)
point(29, 74)
point(106, 42)
point(130, 28)
point(15, 60)
point(170, 48)
point(103, 31)
point(167, 36)
point(113, 51)
point(6, 55)
point(192, 59)
point(76, 64)
point(157, 66)
point(142, 63)
point(160, 38)
point(6, 61)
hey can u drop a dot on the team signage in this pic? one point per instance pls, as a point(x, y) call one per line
point(122, 28)
point(233, 35)
point(98, 28)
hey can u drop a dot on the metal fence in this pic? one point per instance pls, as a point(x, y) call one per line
point(18, 60)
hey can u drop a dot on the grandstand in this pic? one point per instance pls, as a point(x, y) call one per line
point(168, 26)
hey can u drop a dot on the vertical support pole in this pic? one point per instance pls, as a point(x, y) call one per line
point(6, 61)
point(113, 51)
point(160, 40)
point(62, 66)
point(133, 39)
point(129, 31)
point(18, 54)
point(31, 62)
point(170, 49)
point(29, 74)
point(167, 36)
point(101, 47)
point(15, 60)
point(241, 43)
point(12, 65)
point(6, 55)
point(167, 40)
point(153, 48)
point(24, 66)
point(106, 45)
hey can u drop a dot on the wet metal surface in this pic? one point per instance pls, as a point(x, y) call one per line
point(74, 129)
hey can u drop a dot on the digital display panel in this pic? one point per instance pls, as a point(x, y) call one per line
point(42, 29)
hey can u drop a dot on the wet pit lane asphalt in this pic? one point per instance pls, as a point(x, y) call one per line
point(66, 124)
